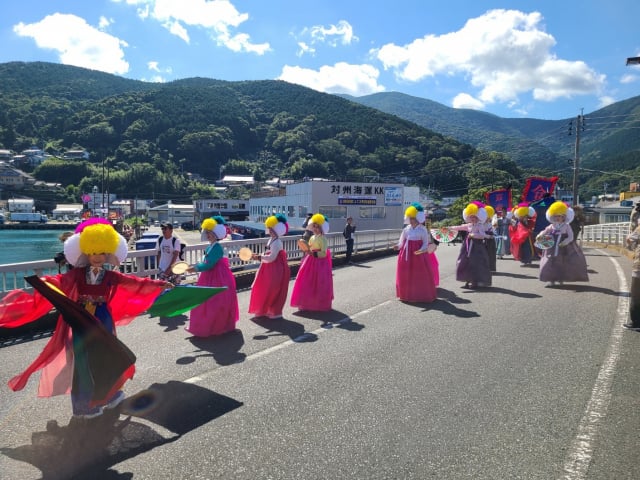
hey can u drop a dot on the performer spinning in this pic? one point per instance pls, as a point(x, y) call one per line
point(71, 360)
point(313, 288)
point(416, 273)
point(271, 283)
point(564, 260)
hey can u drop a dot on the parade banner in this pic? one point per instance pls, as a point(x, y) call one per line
point(537, 187)
point(499, 199)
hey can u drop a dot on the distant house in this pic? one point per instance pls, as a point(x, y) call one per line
point(12, 178)
point(172, 212)
point(238, 180)
point(76, 155)
point(21, 205)
point(6, 155)
point(69, 210)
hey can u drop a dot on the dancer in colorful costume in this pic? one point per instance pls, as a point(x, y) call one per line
point(564, 260)
point(490, 241)
point(472, 266)
point(313, 288)
point(271, 283)
point(521, 234)
point(500, 224)
point(416, 273)
point(220, 313)
point(68, 361)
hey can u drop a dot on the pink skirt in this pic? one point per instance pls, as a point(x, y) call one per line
point(415, 275)
point(220, 313)
point(313, 288)
point(270, 287)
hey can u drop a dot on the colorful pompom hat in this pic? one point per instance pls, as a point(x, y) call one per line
point(415, 210)
point(475, 209)
point(216, 225)
point(278, 223)
point(524, 210)
point(560, 208)
point(95, 236)
point(321, 220)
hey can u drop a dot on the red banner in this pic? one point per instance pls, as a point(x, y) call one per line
point(499, 199)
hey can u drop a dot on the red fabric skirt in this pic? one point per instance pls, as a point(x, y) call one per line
point(415, 276)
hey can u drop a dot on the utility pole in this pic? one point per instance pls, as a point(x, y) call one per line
point(576, 160)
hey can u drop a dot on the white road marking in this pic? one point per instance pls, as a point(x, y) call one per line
point(299, 339)
point(580, 452)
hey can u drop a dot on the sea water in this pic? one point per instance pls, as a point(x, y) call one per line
point(18, 246)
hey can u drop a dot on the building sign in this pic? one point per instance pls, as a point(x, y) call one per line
point(357, 201)
point(349, 190)
point(392, 196)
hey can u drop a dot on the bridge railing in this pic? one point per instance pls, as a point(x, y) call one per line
point(607, 233)
point(143, 262)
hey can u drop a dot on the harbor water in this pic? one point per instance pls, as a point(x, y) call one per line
point(28, 245)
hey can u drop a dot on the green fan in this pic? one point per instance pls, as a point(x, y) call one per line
point(181, 299)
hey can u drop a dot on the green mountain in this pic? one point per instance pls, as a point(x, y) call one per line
point(149, 134)
point(609, 145)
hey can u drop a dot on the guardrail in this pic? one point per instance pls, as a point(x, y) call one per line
point(607, 233)
point(142, 262)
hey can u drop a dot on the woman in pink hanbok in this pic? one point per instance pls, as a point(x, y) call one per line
point(416, 274)
point(220, 313)
point(313, 288)
point(271, 283)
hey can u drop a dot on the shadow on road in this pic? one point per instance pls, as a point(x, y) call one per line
point(87, 448)
point(224, 349)
point(332, 318)
point(281, 327)
point(173, 323)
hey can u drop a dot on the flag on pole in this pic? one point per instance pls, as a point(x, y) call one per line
point(499, 199)
point(536, 188)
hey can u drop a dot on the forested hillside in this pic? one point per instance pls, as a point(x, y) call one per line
point(158, 140)
point(149, 135)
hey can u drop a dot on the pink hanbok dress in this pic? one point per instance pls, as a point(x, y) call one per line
point(220, 313)
point(313, 288)
point(271, 283)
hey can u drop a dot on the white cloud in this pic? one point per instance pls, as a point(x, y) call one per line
point(464, 100)
point(504, 53)
point(354, 80)
point(77, 43)
point(104, 22)
point(333, 35)
point(304, 48)
point(629, 78)
point(218, 17)
point(605, 101)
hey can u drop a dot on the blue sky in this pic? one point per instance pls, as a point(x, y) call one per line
point(542, 59)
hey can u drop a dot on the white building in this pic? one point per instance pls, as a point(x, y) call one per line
point(373, 206)
point(21, 205)
point(172, 212)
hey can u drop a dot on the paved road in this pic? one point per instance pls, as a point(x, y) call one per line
point(518, 381)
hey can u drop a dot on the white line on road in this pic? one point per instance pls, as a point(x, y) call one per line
point(299, 339)
point(580, 452)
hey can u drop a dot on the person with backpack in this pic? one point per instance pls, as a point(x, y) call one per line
point(170, 251)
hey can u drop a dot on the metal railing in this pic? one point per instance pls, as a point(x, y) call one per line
point(607, 233)
point(143, 262)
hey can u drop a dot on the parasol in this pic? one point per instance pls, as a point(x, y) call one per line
point(181, 299)
point(444, 234)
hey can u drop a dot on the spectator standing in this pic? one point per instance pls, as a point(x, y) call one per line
point(168, 253)
point(349, 230)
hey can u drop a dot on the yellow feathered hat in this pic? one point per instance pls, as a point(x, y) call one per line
point(95, 236)
point(560, 208)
